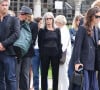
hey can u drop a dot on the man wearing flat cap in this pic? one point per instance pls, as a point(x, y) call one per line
point(25, 62)
point(8, 35)
point(26, 10)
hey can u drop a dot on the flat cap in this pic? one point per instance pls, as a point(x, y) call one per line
point(26, 10)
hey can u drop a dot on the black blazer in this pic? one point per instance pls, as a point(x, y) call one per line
point(12, 30)
point(84, 49)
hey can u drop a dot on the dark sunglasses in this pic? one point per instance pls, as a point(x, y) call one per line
point(22, 14)
point(48, 18)
point(96, 16)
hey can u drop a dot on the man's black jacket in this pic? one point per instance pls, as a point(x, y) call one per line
point(9, 33)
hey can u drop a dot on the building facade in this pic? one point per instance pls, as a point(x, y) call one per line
point(41, 6)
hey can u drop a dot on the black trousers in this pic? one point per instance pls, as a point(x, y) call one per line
point(22, 70)
point(45, 63)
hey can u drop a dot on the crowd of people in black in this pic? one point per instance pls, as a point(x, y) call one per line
point(29, 46)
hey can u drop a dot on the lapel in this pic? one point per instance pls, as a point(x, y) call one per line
point(96, 35)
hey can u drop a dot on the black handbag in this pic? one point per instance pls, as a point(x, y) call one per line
point(76, 82)
point(63, 58)
point(77, 78)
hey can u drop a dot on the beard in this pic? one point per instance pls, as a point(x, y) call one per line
point(4, 11)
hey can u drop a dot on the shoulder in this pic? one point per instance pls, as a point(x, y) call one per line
point(57, 30)
point(34, 23)
point(71, 30)
point(82, 29)
point(12, 18)
point(41, 30)
point(81, 32)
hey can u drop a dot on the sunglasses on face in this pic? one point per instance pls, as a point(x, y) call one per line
point(22, 14)
point(96, 16)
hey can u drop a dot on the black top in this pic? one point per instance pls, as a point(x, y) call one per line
point(49, 42)
point(34, 30)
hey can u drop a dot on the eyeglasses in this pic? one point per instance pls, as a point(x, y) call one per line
point(48, 18)
point(96, 16)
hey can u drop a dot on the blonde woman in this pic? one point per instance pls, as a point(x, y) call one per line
point(96, 3)
point(73, 30)
point(60, 22)
point(75, 25)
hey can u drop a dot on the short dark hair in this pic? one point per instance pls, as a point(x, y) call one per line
point(38, 19)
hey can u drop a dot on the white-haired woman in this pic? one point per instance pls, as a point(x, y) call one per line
point(60, 22)
point(49, 42)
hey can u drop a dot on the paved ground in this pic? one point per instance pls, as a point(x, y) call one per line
point(49, 84)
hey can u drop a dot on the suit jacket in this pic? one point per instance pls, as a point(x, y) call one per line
point(12, 30)
point(84, 49)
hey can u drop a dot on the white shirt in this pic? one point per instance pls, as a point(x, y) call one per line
point(36, 44)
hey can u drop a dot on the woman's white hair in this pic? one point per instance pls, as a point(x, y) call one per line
point(48, 14)
point(61, 19)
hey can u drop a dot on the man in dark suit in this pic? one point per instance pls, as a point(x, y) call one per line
point(8, 35)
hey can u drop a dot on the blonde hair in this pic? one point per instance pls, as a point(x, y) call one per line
point(74, 23)
point(96, 3)
point(61, 19)
point(5, 0)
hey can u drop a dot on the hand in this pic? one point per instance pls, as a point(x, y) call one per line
point(2, 48)
point(77, 66)
point(98, 42)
